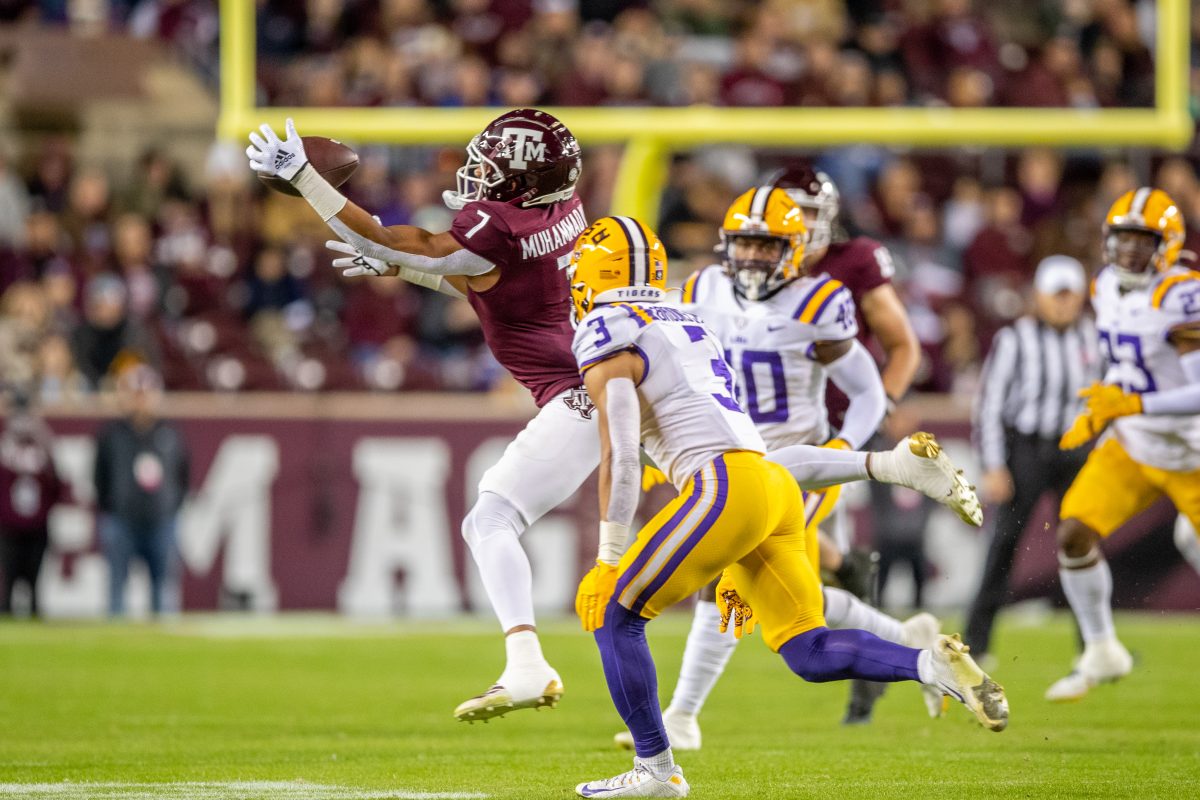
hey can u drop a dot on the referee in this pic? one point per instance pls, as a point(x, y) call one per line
point(1027, 398)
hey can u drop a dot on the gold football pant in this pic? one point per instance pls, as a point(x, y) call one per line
point(739, 511)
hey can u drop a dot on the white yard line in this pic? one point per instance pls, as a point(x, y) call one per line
point(204, 790)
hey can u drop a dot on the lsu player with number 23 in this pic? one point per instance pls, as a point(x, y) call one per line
point(1148, 408)
point(658, 377)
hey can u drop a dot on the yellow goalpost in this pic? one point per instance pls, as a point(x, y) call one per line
point(650, 135)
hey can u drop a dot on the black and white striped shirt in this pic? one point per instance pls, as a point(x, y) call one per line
point(1031, 381)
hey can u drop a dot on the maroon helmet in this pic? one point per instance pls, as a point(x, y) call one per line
point(525, 156)
point(812, 190)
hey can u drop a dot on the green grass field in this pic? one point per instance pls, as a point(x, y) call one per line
point(315, 707)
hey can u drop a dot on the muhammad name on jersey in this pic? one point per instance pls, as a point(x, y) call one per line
point(562, 234)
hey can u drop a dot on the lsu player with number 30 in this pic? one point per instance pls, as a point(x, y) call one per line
point(658, 377)
point(1148, 409)
point(783, 333)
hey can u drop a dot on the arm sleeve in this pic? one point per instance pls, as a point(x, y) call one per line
point(998, 374)
point(857, 376)
point(1182, 400)
point(460, 262)
point(624, 435)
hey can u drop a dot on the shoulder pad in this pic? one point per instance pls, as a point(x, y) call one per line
point(607, 331)
point(699, 286)
point(1177, 284)
point(818, 298)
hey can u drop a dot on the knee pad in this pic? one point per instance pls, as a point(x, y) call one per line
point(1185, 534)
point(491, 515)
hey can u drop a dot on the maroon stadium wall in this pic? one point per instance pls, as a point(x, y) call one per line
point(355, 506)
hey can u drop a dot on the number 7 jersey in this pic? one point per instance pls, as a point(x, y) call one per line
point(1134, 327)
point(689, 412)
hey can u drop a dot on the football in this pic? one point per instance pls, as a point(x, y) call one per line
point(335, 161)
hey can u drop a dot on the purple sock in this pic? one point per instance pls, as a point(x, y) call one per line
point(632, 681)
point(834, 655)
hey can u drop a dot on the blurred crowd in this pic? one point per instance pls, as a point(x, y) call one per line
point(221, 284)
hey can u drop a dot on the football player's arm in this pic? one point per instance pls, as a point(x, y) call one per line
point(1182, 400)
point(852, 370)
point(404, 246)
point(612, 385)
point(888, 321)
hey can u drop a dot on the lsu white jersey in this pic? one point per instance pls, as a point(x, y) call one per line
point(689, 412)
point(1133, 328)
point(769, 344)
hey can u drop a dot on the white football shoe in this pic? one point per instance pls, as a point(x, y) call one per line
point(683, 732)
point(920, 463)
point(1103, 661)
point(959, 676)
point(638, 782)
point(540, 690)
point(921, 631)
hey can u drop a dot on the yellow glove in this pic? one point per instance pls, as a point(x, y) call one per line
point(1106, 402)
point(838, 444)
point(595, 590)
point(651, 477)
point(731, 605)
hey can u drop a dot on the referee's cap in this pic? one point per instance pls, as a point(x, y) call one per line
point(1060, 274)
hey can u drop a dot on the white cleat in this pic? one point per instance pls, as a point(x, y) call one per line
point(920, 463)
point(638, 782)
point(683, 732)
point(960, 677)
point(1102, 662)
point(499, 700)
point(921, 631)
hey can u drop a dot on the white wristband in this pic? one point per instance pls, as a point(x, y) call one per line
point(613, 537)
point(325, 200)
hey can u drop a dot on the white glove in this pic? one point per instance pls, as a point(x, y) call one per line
point(355, 263)
point(271, 157)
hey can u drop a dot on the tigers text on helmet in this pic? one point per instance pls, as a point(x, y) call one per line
point(815, 191)
point(1158, 233)
point(762, 242)
point(617, 259)
point(524, 156)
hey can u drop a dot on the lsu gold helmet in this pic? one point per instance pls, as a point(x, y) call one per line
point(762, 241)
point(1144, 229)
point(617, 259)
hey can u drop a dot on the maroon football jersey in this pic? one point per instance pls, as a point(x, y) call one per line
point(862, 264)
point(525, 316)
point(29, 484)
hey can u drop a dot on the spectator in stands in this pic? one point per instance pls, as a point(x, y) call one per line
point(29, 487)
point(108, 339)
point(141, 473)
point(23, 323)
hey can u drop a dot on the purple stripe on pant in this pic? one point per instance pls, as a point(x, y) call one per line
point(660, 536)
point(722, 493)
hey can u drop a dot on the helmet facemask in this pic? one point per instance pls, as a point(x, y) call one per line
point(473, 178)
point(1134, 253)
point(756, 263)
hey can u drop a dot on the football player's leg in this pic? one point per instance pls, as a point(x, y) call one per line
point(539, 469)
point(1184, 490)
point(1109, 490)
point(1188, 541)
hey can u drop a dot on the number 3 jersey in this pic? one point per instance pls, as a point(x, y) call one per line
point(1134, 327)
point(770, 345)
point(689, 412)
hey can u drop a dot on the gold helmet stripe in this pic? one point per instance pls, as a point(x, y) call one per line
point(758, 205)
point(1140, 198)
point(639, 256)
